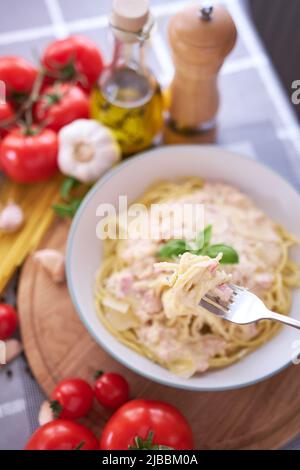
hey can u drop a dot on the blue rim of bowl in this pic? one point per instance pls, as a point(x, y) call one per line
point(72, 231)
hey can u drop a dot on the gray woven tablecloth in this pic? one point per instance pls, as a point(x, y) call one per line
point(256, 119)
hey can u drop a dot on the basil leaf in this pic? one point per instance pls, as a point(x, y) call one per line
point(207, 233)
point(63, 210)
point(202, 241)
point(200, 246)
point(230, 256)
point(67, 210)
point(75, 204)
point(67, 186)
point(172, 249)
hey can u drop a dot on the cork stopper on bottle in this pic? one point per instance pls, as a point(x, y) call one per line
point(129, 16)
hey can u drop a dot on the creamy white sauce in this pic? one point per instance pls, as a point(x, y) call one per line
point(237, 222)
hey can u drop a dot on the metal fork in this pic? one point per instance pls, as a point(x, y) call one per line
point(244, 308)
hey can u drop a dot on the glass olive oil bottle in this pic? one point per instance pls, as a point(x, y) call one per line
point(128, 98)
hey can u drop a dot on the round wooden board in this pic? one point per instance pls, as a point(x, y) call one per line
point(262, 416)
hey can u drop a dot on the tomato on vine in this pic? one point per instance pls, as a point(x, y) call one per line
point(61, 104)
point(75, 58)
point(19, 77)
point(29, 154)
point(7, 116)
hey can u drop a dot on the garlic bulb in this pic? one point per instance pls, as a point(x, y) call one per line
point(11, 218)
point(53, 262)
point(86, 150)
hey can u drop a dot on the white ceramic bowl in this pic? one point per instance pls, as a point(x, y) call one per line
point(84, 252)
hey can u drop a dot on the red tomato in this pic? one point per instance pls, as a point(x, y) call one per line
point(19, 77)
point(111, 390)
point(61, 104)
point(138, 418)
point(8, 321)
point(6, 114)
point(62, 434)
point(72, 398)
point(74, 57)
point(29, 158)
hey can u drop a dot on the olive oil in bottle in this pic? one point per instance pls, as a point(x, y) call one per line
point(128, 98)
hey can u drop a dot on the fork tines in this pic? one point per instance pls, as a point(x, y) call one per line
point(210, 304)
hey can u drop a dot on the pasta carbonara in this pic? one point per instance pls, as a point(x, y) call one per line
point(152, 305)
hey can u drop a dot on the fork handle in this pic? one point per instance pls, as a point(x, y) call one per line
point(283, 319)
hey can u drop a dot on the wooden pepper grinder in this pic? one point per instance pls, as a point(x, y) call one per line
point(200, 38)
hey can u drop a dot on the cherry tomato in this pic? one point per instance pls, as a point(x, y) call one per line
point(72, 399)
point(111, 389)
point(29, 156)
point(6, 114)
point(76, 57)
point(60, 105)
point(62, 434)
point(19, 77)
point(8, 321)
point(139, 418)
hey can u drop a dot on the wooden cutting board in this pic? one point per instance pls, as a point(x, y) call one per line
point(262, 416)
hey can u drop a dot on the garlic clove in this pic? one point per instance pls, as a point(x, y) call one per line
point(13, 348)
point(45, 413)
point(11, 218)
point(53, 262)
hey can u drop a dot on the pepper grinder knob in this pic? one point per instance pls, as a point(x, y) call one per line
point(206, 12)
point(200, 40)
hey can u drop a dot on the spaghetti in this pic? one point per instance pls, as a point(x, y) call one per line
point(131, 288)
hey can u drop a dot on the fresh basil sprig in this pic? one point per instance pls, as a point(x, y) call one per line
point(200, 246)
point(230, 256)
point(71, 201)
point(67, 209)
point(173, 249)
point(67, 186)
point(202, 240)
